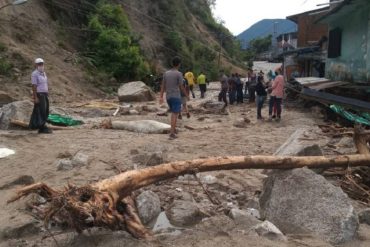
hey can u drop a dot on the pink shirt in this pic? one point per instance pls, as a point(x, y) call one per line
point(278, 87)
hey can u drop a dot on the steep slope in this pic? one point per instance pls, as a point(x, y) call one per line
point(60, 32)
point(265, 28)
point(28, 32)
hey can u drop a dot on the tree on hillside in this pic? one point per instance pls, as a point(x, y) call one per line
point(260, 45)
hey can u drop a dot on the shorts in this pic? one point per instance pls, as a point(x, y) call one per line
point(174, 104)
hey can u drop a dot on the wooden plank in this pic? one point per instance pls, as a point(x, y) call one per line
point(309, 81)
point(327, 98)
point(329, 85)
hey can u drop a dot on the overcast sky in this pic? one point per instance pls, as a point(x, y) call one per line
point(241, 14)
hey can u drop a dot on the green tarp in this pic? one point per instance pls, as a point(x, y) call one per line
point(60, 120)
point(364, 118)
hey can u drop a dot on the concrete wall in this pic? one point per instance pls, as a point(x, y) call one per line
point(354, 63)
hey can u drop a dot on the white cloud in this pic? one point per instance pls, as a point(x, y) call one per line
point(241, 14)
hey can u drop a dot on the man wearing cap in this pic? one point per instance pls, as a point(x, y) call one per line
point(40, 98)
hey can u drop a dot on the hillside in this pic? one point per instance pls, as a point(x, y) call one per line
point(265, 28)
point(100, 44)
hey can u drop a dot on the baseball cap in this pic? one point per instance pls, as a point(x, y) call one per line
point(39, 60)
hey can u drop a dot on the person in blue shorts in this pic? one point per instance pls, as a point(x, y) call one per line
point(172, 85)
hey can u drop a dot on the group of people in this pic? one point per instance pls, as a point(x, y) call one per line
point(179, 88)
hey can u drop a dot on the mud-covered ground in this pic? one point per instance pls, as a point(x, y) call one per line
point(112, 150)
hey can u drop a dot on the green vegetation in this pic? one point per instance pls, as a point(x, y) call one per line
point(256, 46)
point(112, 46)
point(5, 65)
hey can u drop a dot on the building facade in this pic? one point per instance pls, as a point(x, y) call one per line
point(349, 41)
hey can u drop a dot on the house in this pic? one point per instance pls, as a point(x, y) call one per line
point(349, 41)
point(308, 59)
point(287, 41)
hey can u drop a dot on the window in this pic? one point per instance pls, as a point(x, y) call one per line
point(335, 43)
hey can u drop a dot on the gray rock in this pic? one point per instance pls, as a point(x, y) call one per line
point(20, 228)
point(5, 98)
point(150, 159)
point(208, 179)
point(135, 92)
point(18, 110)
point(150, 108)
point(268, 230)
point(244, 218)
point(294, 146)
point(148, 205)
point(22, 180)
point(134, 112)
point(80, 159)
point(253, 212)
point(184, 213)
point(64, 165)
point(242, 123)
point(364, 216)
point(300, 201)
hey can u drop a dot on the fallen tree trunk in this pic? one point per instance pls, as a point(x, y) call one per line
point(108, 204)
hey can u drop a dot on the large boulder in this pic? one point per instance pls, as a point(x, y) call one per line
point(300, 201)
point(184, 213)
point(5, 98)
point(18, 110)
point(148, 205)
point(142, 126)
point(136, 91)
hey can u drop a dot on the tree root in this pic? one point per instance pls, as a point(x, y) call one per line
point(109, 204)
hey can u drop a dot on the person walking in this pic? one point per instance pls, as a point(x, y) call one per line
point(239, 89)
point(222, 96)
point(40, 96)
point(252, 87)
point(172, 85)
point(191, 81)
point(261, 97)
point(277, 94)
point(184, 99)
point(232, 89)
point(202, 82)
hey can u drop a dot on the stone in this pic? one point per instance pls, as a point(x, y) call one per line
point(268, 230)
point(242, 123)
point(294, 146)
point(253, 212)
point(18, 110)
point(21, 227)
point(214, 107)
point(184, 213)
point(136, 91)
point(244, 218)
point(5, 98)
point(80, 159)
point(142, 126)
point(148, 205)
point(208, 179)
point(150, 159)
point(64, 165)
point(22, 180)
point(301, 201)
point(364, 216)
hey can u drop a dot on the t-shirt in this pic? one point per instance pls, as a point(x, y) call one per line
point(40, 80)
point(224, 82)
point(186, 87)
point(172, 80)
point(190, 77)
point(201, 79)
